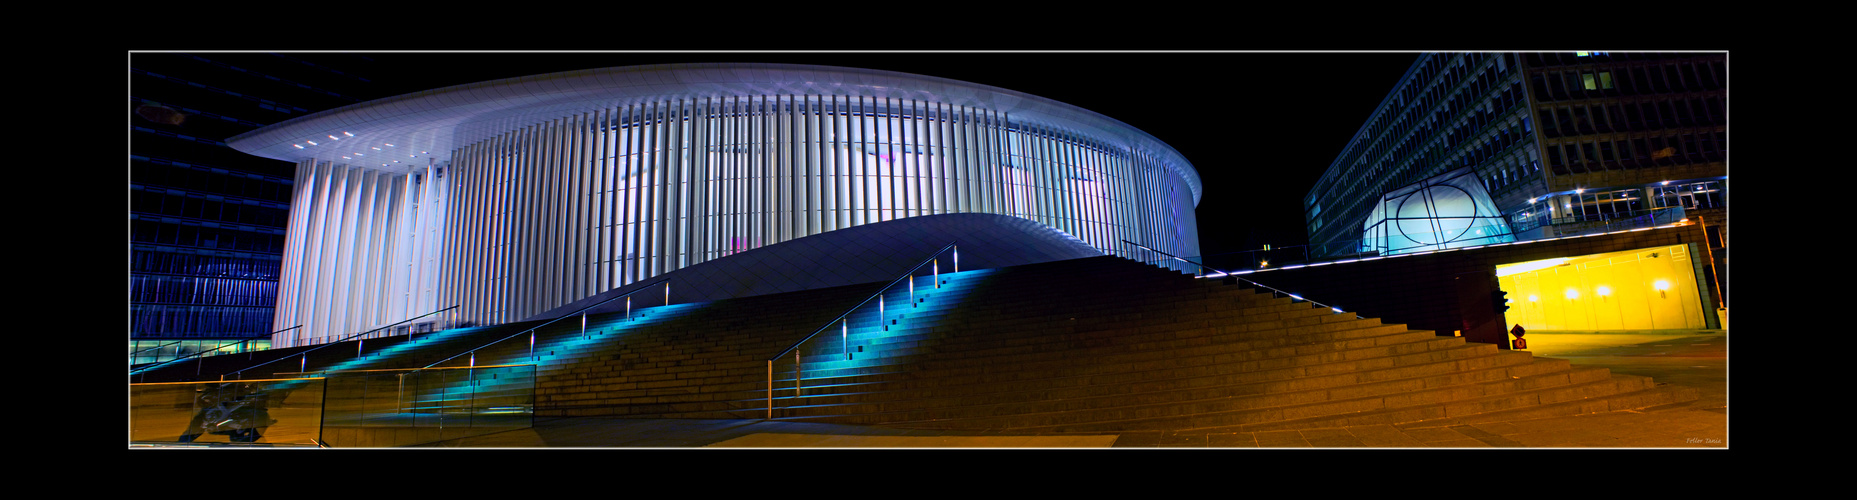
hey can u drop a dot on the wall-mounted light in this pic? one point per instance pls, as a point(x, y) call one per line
point(1534, 298)
point(1604, 291)
point(1572, 294)
point(1663, 288)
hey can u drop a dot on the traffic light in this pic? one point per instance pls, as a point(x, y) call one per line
point(1500, 299)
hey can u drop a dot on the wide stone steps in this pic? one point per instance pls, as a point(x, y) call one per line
point(816, 375)
point(1152, 377)
point(1185, 372)
point(1089, 345)
point(1128, 365)
point(1167, 406)
point(1216, 417)
point(818, 381)
point(672, 365)
point(1062, 351)
point(1592, 394)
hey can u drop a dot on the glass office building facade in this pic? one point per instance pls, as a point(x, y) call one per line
point(1562, 143)
point(512, 197)
point(207, 222)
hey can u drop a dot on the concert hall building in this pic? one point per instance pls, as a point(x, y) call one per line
point(516, 197)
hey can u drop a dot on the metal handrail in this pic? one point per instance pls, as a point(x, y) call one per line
point(932, 258)
point(581, 311)
point(201, 354)
point(304, 356)
point(132, 353)
point(1235, 277)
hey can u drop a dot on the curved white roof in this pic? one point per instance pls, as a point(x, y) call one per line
point(430, 124)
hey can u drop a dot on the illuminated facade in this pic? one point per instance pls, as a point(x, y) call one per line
point(1647, 289)
point(1562, 143)
point(513, 197)
point(1448, 211)
point(207, 223)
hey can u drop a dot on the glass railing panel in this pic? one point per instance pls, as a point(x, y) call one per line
point(387, 408)
point(280, 412)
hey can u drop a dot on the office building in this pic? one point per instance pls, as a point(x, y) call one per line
point(1560, 142)
point(1478, 148)
point(206, 223)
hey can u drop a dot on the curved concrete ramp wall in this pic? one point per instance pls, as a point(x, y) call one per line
point(860, 254)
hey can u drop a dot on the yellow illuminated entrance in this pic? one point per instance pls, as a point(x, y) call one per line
point(1653, 288)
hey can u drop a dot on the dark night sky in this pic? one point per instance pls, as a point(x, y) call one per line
point(1259, 127)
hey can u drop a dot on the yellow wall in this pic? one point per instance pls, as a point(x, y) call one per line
point(1612, 291)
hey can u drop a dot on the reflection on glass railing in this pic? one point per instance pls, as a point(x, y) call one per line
point(385, 408)
point(375, 408)
point(244, 413)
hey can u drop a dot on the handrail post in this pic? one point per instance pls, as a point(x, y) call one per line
point(535, 331)
point(844, 325)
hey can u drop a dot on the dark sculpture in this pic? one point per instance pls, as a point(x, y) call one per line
point(233, 409)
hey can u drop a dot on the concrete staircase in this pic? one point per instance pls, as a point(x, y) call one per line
point(1089, 345)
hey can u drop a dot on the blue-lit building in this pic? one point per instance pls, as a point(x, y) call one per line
point(206, 222)
point(514, 197)
point(1477, 148)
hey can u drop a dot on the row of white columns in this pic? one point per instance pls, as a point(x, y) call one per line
point(554, 212)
